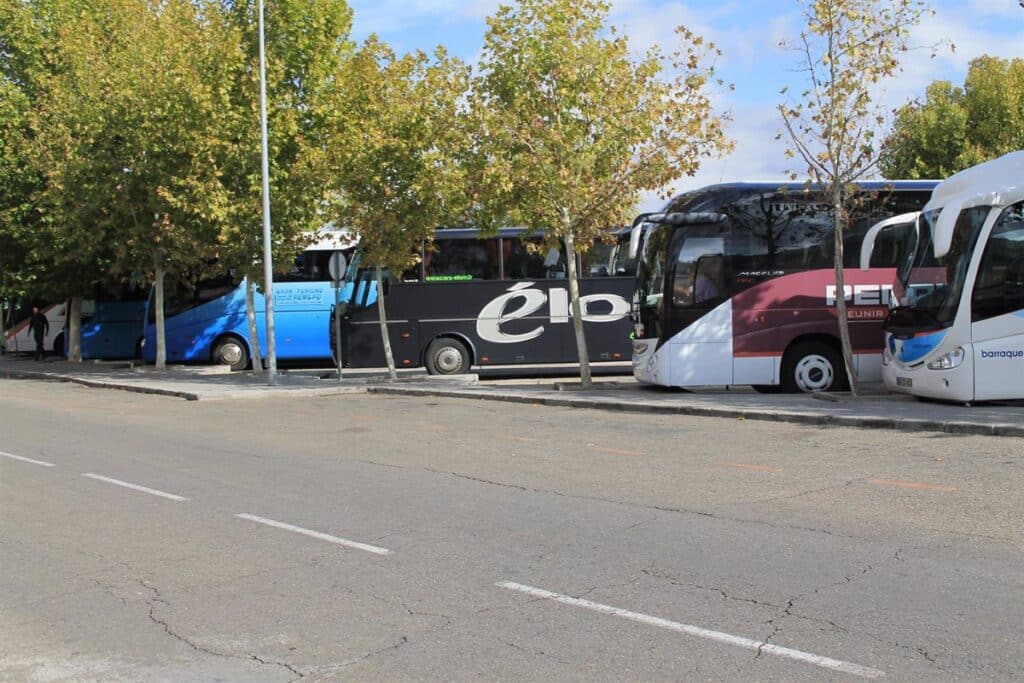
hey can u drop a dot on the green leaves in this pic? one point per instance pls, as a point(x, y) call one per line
point(397, 141)
point(955, 128)
point(568, 122)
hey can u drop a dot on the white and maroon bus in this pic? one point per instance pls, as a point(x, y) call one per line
point(735, 285)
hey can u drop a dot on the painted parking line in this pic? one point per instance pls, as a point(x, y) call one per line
point(755, 468)
point(615, 451)
point(21, 458)
point(356, 545)
point(520, 439)
point(914, 485)
point(698, 632)
point(136, 487)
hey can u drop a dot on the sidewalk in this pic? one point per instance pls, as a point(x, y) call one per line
point(875, 410)
point(204, 383)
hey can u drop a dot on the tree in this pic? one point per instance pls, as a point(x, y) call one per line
point(570, 127)
point(847, 50)
point(50, 253)
point(307, 43)
point(395, 156)
point(959, 127)
point(126, 134)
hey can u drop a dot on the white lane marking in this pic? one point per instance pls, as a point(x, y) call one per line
point(12, 456)
point(135, 487)
point(315, 534)
point(717, 636)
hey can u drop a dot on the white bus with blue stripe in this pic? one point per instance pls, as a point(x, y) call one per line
point(958, 331)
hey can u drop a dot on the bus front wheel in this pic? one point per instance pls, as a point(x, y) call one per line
point(813, 366)
point(447, 356)
point(231, 351)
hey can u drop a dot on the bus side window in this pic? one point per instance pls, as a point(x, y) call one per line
point(522, 263)
point(999, 285)
point(462, 259)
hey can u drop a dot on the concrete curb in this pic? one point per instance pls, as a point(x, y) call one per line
point(816, 419)
point(95, 384)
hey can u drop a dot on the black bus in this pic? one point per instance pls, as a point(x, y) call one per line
point(494, 301)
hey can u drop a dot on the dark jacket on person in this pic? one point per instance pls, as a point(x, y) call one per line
point(39, 325)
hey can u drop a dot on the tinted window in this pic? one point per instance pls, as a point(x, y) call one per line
point(999, 286)
point(598, 261)
point(893, 245)
point(455, 260)
point(531, 261)
point(698, 272)
point(776, 234)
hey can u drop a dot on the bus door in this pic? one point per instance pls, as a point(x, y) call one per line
point(699, 326)
point(997, 311)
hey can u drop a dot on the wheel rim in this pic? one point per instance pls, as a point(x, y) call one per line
point(230, 353)
point(814, 373)
point(448, 359)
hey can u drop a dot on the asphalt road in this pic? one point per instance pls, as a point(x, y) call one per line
point(376, 538)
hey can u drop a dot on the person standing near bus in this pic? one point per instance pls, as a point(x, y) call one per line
point(40, 326)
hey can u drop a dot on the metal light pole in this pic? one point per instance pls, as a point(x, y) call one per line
point(268, 264)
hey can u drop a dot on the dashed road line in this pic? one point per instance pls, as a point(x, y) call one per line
point(520, 439)
point(21, 458)
point(615, 451)
point(697, 631)
point(912, 485)
point(755, 468)
point(356, 545)
point(136, 487)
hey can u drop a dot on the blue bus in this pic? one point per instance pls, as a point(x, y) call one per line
point(207, 323)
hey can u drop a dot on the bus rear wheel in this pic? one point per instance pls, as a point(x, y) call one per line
point(447, 356)
point(812, 367)
point(231, 351)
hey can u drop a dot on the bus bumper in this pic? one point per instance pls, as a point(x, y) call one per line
point(646, 362)
point(956, 384)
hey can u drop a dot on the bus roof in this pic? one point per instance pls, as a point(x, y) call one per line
point(473, 233)
point(776, 185)
point(996, 183)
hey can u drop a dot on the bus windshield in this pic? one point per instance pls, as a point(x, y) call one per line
point(933, 287)
point(650, 276)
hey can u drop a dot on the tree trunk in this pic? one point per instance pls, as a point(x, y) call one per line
point(158, 303)
point(844, 322)
point(383, 315)
point(3, 323)
point(254, 335)
point(577, 312)
point(74, 318)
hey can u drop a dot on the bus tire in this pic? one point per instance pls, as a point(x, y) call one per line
point(447, 356)
point(231, 351)
point(811, 367)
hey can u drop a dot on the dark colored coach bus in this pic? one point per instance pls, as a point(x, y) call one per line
point(495, 301)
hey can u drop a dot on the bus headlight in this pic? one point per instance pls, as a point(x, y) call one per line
point(886, 356)
point(953, 359)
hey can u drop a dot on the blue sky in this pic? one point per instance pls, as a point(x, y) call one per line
point(748, 32)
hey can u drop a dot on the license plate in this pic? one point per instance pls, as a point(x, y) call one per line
point(905, 382)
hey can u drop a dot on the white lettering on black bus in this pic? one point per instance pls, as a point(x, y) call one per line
point(497, 311)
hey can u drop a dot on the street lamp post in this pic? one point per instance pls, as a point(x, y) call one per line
point(268, 264)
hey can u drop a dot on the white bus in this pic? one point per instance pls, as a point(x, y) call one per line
point(958, 331)
point(18, 338)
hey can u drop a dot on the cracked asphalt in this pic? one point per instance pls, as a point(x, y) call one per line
point(898, 552)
